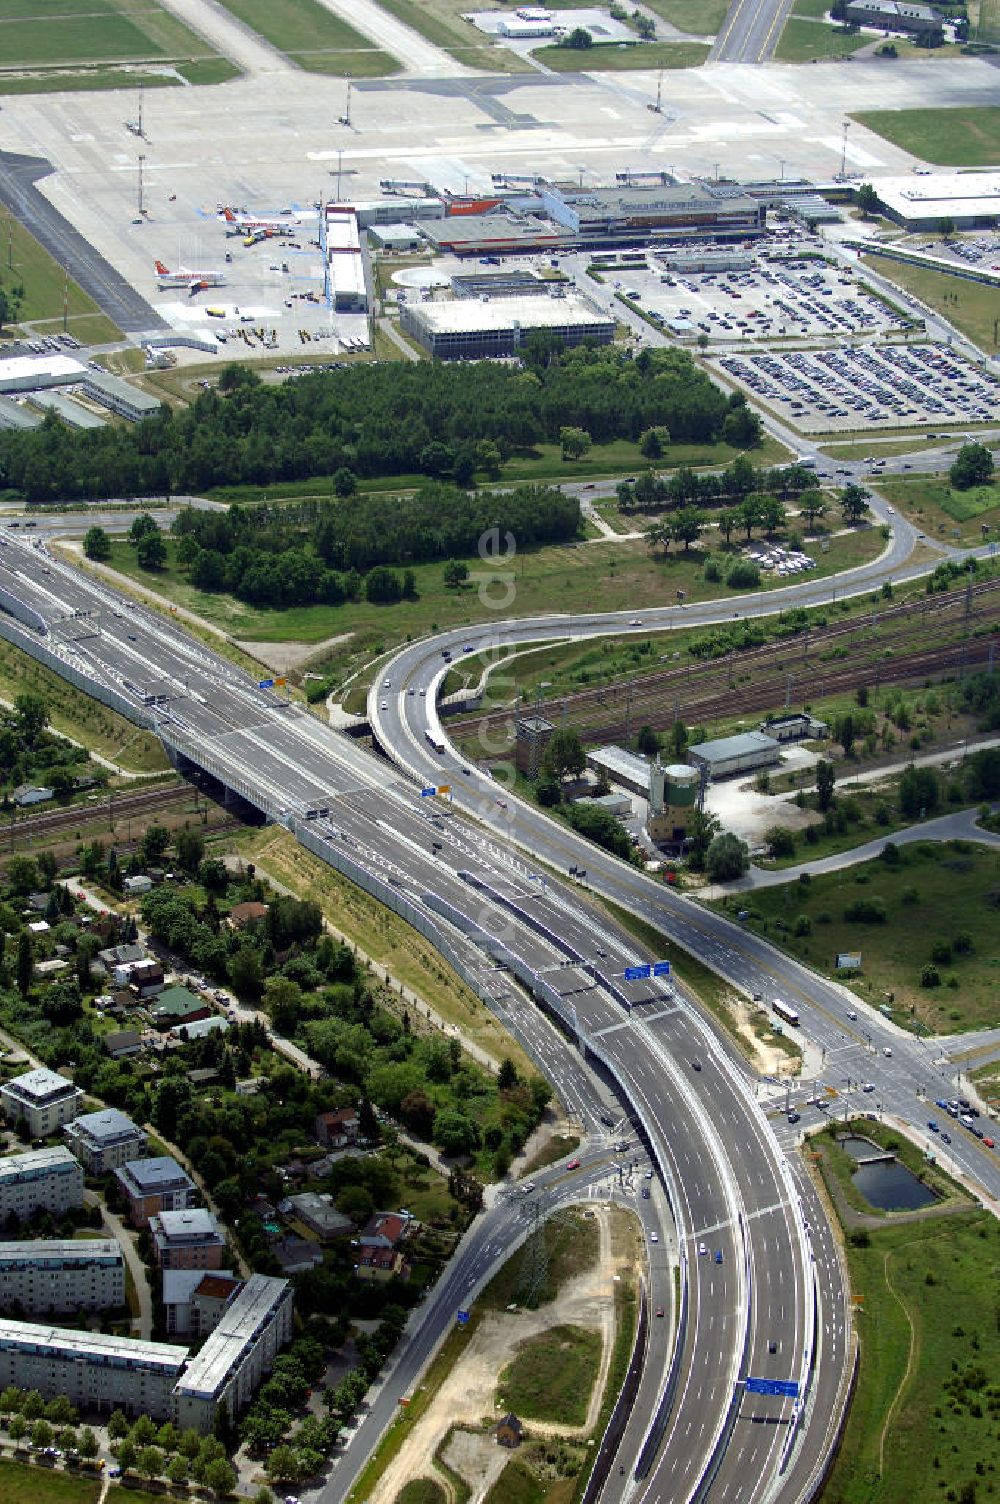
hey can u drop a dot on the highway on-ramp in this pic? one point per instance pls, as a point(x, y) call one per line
point(512, 930)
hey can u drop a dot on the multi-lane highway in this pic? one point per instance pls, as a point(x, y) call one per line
point(754, 1302)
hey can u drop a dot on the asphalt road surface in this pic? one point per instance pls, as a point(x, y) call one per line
point(109, 290)
point(727, 1178)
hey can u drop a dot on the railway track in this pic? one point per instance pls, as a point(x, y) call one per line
point(805, 666)
point(127, 806)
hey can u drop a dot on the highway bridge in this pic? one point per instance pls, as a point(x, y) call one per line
point(477, 876)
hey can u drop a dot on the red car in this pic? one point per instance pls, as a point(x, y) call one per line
point(659, 1310)
point(574, 1164)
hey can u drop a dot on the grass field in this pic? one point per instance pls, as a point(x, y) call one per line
point(957, 516)
point(61, 34)
point(22, 1483)
point(962, 137)
point(421, 1491)
point(617, 576)
point(860, 808)
point(702, 18)
point(973, 308)
point(860, 449)
point(920, 1428)
point(803, 39)
point(552, 1376)
point(76, 715)
point(314, 38)
point(937, 892)
point(441, 22)
point(620, 58)
point(26, 264)
point(383, 936)
point(516, 1485)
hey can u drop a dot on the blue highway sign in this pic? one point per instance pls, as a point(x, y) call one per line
point(786, 1388)
point(661, 968)
point(429, 793)
point(265, 684)
point(462, 1317)
point(636, 973)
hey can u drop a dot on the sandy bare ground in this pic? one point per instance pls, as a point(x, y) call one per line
point(285, 656)
point(468, 1394)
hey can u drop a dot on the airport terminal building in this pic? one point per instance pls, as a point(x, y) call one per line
point(463, 329)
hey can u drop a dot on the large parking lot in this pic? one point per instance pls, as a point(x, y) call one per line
point(781, 296)
point(867, 386)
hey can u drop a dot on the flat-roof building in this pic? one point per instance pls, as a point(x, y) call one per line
point(26, 373)
point(736, 754)
point(93, 1370)
point(43, 1274)
point(238, 1353)
point(120, 396)
point(894, 15)
point(155, 1185)
point(684, 210)
point(104, 1140)
point(187, 1239)
point(971, 200)
point(39, 1180)
point(470, 330)
point(627, 769)
point(44, 1099)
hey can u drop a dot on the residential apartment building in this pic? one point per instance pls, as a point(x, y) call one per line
point(187, 1240)
point(42, 1275)
point(104, 1140)
point(41, 1179)
point(235, 1358)
point(155, 1185)
point(43, 1098)
point(93, 1370)
point(195, 1301)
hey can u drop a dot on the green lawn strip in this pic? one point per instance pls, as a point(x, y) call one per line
point(209, 70)
point(860, 449)
point(803, 39)
point(97, 39)
point(382, 936)
point(972, 307)
point(929, 502)
point(443, 24)
point(421, 1491)
point(307, 31)
point(967, 136)
point(919, 1423)
point(24, 1483)
point(623, 57)
point(80, 80)
point(556, 1148)
point(552, 1375)
point(516, 1485)
point(702, 18)
point(25, 263)
point(76, 715)
point(934, 893)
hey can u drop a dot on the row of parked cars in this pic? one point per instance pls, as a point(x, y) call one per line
point(966, 1114)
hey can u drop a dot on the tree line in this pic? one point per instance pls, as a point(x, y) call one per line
point(438, 420)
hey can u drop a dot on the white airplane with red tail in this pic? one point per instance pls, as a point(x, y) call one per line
point(185, 276)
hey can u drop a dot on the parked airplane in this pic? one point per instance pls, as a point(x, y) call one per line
point(286, 221)
point(184, 276)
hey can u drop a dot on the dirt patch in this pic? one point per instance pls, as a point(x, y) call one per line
point(285, 656)
point(467, 1397)
point(475, 1456)
point(769, 1059)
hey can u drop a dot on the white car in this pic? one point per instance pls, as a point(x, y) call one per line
point(654, 1237)
point(702, 1250)
point(384, 705)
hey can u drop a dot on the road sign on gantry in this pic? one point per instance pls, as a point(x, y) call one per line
point(429, 792)
point(265, 684)
point(462, 1318)
point(786, 1388)
point(637, 973)
point(661, 968)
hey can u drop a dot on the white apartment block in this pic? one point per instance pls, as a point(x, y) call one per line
point(103, 1141)
point(94, 1371)
point(49, 1179)
point(241, 1350)
point(43, 1098)
point(49, 1275)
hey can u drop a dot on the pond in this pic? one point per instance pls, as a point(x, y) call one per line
point(888, 1185)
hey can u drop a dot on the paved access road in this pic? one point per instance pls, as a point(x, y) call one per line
point(729, 1182)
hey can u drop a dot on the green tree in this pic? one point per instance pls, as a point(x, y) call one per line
point(701, 831)
point(780, 841)
point(177, 1471)
point(946, 228)
point(220, 1477)
point(845, 731)
point(727, 858)
point(31, 716)
point(574, 442)
point(868, 199)
point(687, 525)
point(647, 742)
point(118, 1425)
point(811, 505)
point(579, 39)
point(826, 777)
point(41, 1434)
point(143, 526)
point(563, 754)
point(25, 963)
point(246, 972)
point(127, 1453)
point(456, 572)
point(149, 1463)
point(97, 544)
point(919, 792)
point(17, 1428)
point(454, 1133)
point(283, 1465)
point(679, 740)
point(973, 466)
point(854, 504)
point(87, 1443)
point(345, 482)
point(190, 846)
point(507, 1077)
point(151, 551)
point(155, 840)
point(728, 520)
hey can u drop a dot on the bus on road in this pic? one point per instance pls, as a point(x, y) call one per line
point(789, 1015)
